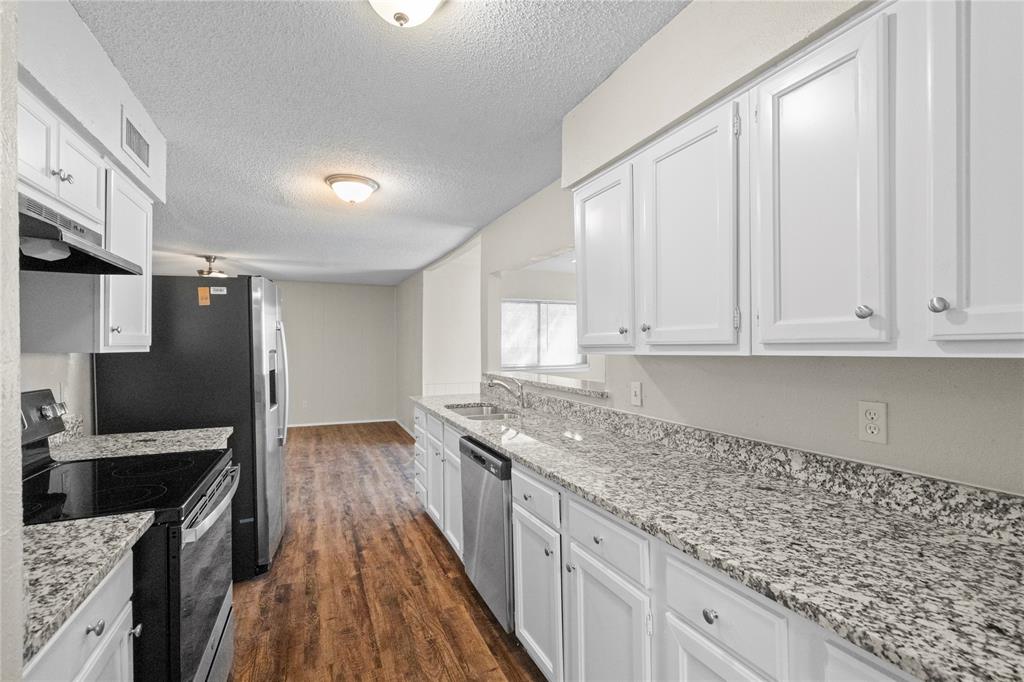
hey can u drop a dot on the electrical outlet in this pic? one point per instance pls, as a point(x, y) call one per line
point(636, 393)
point(873, 422)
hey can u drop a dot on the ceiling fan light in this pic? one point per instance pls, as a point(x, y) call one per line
point(405, 13)
point(352, 188)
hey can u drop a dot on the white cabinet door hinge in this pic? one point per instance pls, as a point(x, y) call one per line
point(736, 125)
point(735, 318)
point(650, 624)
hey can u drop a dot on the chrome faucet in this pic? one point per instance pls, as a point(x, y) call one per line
point(519, 395)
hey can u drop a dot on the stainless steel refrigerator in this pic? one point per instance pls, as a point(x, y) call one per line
point(218, 358)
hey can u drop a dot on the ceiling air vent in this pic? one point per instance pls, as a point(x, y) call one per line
point(135, 142)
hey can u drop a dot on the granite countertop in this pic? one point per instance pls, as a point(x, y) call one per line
point(144, 443)
point(64, 562)
point(938, 601)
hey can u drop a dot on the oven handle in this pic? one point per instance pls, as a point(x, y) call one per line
point(194, 532)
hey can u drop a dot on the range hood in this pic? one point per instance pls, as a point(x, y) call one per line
point(53, 242)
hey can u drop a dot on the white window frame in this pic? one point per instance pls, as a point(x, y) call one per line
point(581, 367)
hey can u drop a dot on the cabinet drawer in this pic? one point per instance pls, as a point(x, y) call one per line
point(626, 550)
point(536, 498)
point(419, 470)
point(435, 427)
point(420, 455)
point(419, 418)
point(451, 439)
point(421, 492)
point(421, 437)
point(71, 646)
point(753, 632)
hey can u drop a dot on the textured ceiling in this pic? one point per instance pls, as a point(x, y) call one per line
point(458, 119)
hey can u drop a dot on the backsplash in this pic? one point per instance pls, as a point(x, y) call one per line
point(979, 510)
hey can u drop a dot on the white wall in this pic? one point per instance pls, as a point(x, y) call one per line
point(68, 375)
point(451, 322)
point(541, 226)
point(409, 360)
point(707, 49)
point(341, 351)
point(11, 628)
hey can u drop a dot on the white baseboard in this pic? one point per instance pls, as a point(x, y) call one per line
point(405, 428)
point(353, 421)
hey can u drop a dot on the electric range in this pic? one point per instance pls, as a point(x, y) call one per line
point(182, 568)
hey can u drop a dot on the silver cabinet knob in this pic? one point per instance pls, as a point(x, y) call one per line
point(116, 330)
point(69, 178)
point(547, 551)
point(863, 312)
point(938, 305)
point(570, 568)
point(96, 629)
point(645, 327)
point(598, 539)
point(623, 330)
point(527, 496)
point(710, 616)
point(63, 177)
point(136, 631)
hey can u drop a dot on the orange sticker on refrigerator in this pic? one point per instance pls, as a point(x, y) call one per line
point(204, 295)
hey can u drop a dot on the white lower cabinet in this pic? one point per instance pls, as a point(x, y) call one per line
point(608, 622)
point(96, 641)
point(690, 657)
point(440, 476)
point(537, 577)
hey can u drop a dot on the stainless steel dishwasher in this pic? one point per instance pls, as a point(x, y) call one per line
point(487, 526)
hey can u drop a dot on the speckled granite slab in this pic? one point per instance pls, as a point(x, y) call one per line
point(978, 510)
point(144, 443)
point(63, 562)
point(592, 389)
point(937, 600)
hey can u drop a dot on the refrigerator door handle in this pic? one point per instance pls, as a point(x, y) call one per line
point(282, 431)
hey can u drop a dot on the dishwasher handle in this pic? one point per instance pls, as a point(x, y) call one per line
point(490, 461)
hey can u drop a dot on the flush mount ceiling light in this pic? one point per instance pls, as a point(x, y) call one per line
point(209, 271)
point(352, 188)
point(405, 13)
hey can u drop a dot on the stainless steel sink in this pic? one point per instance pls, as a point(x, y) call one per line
point(482, 411)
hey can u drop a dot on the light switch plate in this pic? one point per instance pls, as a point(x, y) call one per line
point(636, 393)
point(873, 422)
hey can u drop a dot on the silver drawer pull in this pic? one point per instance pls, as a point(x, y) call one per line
point(96, 629)
point(710, 616)
point(598, 539)
point(527, 496)
point(570, 567)
point(136, 631)
point(863, 312)
point(938, 305)
point(645, 327)
point(547, 551)
point(623, 330)
point(116, 330)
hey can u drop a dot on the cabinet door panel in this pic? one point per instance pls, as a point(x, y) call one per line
point(435, 481)
point(113, 661)
point(37, 143)
point(689, 187)
point(453, 501)
point(127, 297)
point(85, 188)
point(823, 167)
point(607, 635)
point(604, 255)
point(689, 657)
point(538, 590)
point(977, 213)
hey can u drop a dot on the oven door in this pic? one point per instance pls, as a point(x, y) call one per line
point(205, 570)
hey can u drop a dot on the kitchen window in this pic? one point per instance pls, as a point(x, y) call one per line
point(539, 335)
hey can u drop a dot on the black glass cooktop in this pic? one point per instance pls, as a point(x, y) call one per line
point(169, 484)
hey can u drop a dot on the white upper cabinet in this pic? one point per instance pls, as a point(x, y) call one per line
point(37, 143)
point(688, 243)
point(81, 172)
point(603, 210)
point(126, 299)
point(822, 169)
point(976, 254)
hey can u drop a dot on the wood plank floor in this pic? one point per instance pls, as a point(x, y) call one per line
point(364, 586)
